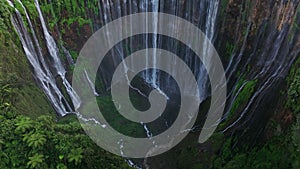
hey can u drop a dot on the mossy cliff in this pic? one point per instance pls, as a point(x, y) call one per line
point(15, 70)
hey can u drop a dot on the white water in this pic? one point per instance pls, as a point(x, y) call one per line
point(41, 71)
point(210, 23)
point(68, 55)
point(152, 78)
point(92, 85)
point(155, 76)
point(131, 164)
point(43, 74)
point(148, 133)
point(47, 79)
point(54, 53)
point(271, 65)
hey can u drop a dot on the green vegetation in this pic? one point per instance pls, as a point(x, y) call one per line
point(15, 72)
point(4, 17)
point(45, 143)
point(294, 89)
point(229, 50)
point(224, 4)
point(67, 12)
point(243, 96)
point(281, 151)
point(30, 6)
point(116, 120)
point(70, 21)
point(295, 26)
point(244, 90)
point(276, 154)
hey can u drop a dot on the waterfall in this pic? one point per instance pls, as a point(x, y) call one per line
point(131, 164)
point(206, 19)
point(148, 133)
point(108, 12)
point(154, 78)
point(276, 70)
point(92, 85)
point(43, 74)
point(33, 51)
point(68, 55)
point(54, 53)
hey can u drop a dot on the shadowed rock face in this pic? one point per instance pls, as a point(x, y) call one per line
point(268, 48)
point(263, 35)
point(258, 39)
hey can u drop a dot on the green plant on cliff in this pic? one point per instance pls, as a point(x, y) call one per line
point(244, 91)
point(280, 151)
point(69, 11)
point(30, 6)
point(229, 50)
point(294, 90)
point(4, 16)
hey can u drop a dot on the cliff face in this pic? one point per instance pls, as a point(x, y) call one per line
point(265, 43)
point(258, 41)
point(15, 71)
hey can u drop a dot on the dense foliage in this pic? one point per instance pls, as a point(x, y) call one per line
point(45, 142)
point(282, 150)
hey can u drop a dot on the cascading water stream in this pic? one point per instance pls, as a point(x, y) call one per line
point(271, 67)
point(155, 4)
point(42, 73)
point(68, 55)
point(54, 53)
point(210, 23)
point(92, 85)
